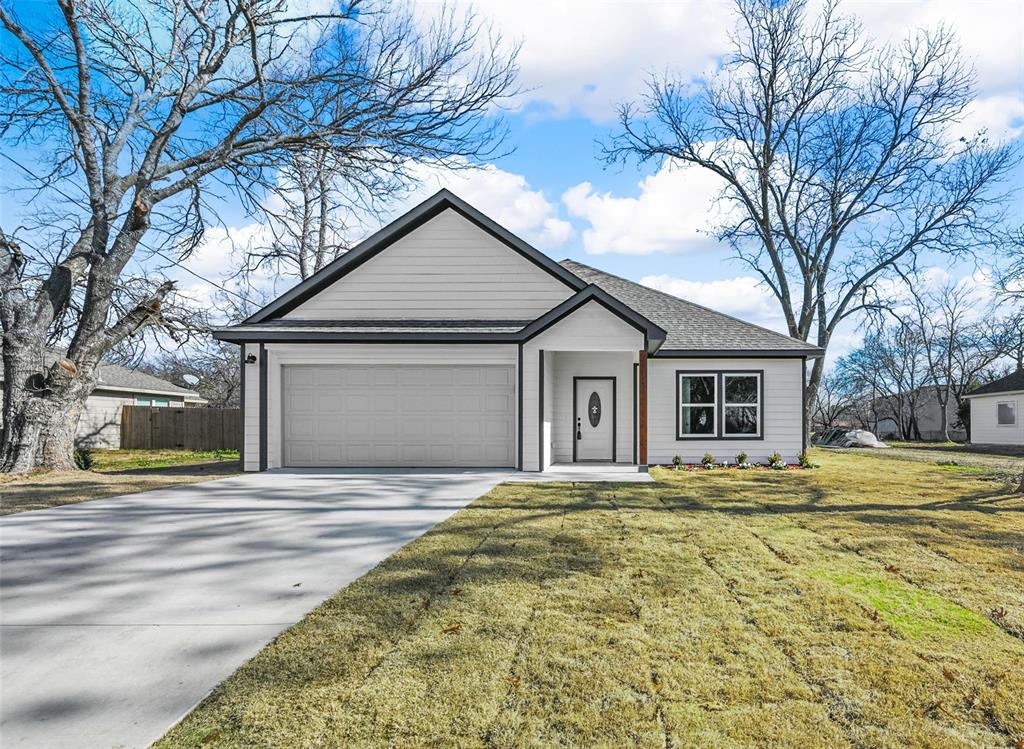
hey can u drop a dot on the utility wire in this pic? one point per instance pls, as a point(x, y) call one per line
point(143, 244)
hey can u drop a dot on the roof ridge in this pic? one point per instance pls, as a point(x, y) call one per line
point(677, 299)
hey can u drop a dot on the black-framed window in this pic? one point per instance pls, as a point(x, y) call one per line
point(720, 404)
point(741, 404)
point(698, 404)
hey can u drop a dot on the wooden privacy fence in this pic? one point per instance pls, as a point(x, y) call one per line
point(177, 428)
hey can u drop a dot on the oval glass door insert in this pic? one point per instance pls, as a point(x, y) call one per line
point(594, 409)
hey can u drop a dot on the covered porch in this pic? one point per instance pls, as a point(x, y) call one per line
point(591, 409)
point(584, 392)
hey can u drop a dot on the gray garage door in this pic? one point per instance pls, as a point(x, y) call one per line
point(398, 415)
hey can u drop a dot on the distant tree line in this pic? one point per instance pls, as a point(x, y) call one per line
point(926, 353)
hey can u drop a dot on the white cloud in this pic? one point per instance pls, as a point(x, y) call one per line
point(505, 197)
point(580, 56)
point(741, 297)
point(991, 33)
point(1001, 116)
point(675, 211)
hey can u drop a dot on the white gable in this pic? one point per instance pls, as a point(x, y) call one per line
point(446, 269)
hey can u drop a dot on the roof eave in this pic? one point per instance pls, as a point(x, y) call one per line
point(184, 395)
point(1017, 391)
point(327, 336)
point(691, 353)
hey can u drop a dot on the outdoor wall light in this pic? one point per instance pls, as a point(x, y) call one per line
point(250, 358)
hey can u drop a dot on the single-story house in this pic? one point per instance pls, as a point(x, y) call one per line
point(445, 340)
point(100, 425)
point(996, 417)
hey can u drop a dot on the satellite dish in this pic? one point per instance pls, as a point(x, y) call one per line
point(190, 379)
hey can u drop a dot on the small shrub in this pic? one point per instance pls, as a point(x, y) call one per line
point(806, 462)
point(677, 461)
point(775, 461)
point(742, 458)
point(708, 461)
point(83, 458)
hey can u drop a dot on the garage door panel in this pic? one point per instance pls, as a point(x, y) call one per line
point(304, 377)
point(398, 415)
point(498, 376)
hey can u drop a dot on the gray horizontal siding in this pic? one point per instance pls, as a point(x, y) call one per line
point(446, 269)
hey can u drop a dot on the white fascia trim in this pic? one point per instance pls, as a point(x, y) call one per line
point(142, 391)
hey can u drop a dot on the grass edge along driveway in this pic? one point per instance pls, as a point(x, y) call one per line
point(114, 473)
point(864, 604)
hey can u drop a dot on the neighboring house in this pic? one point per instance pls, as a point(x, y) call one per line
point(100, 425)
point(927, 413)
point(996, 411)
point(445, 340)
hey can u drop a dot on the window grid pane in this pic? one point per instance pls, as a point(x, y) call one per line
point(698, 401)
point(1006, 413)
point(741, 405)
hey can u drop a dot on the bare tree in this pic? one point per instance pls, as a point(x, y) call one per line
point(889, 370)
point(838, 397)
point(836, 157)
point(1010, 338)
point(215, 364)
point(143, 107)
point(310, 213)
point(958, 342)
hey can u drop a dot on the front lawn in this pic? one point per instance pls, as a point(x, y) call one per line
point(1005, 460)
point(106, 461)
point(114, 472)
point(870, 603)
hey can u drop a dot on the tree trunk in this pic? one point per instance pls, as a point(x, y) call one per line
point(42, 408)
point(811, 393)
point(22, 412)
point(942, 396)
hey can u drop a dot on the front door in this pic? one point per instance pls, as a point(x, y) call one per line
point(594, 418)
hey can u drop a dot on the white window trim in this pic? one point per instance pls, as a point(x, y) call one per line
point(713, 405)
point(1012, 424)
point(757, 404)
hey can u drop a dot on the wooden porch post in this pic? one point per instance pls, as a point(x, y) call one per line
point(642, 416)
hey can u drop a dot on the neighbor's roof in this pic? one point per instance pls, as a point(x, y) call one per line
point(116, 377)
point(1009, 384)
point(691, 327)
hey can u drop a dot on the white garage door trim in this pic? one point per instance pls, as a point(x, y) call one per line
point(342, 415)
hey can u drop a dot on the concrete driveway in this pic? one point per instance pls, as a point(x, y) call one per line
point(118, 615)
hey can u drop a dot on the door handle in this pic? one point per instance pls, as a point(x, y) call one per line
point(579, 433)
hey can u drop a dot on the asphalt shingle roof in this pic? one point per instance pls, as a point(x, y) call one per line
point(1007, 384)
point(690, 326)
point(113, 375)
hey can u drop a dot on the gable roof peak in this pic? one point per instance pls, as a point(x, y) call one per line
point(412, 219)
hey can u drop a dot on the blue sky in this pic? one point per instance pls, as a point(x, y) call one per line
point(578, 60)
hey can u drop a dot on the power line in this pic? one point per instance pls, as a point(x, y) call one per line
point(140, 242)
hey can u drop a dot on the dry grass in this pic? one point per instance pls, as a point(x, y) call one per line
point(115, 472)
point(1005, 460)
point(870, 603)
